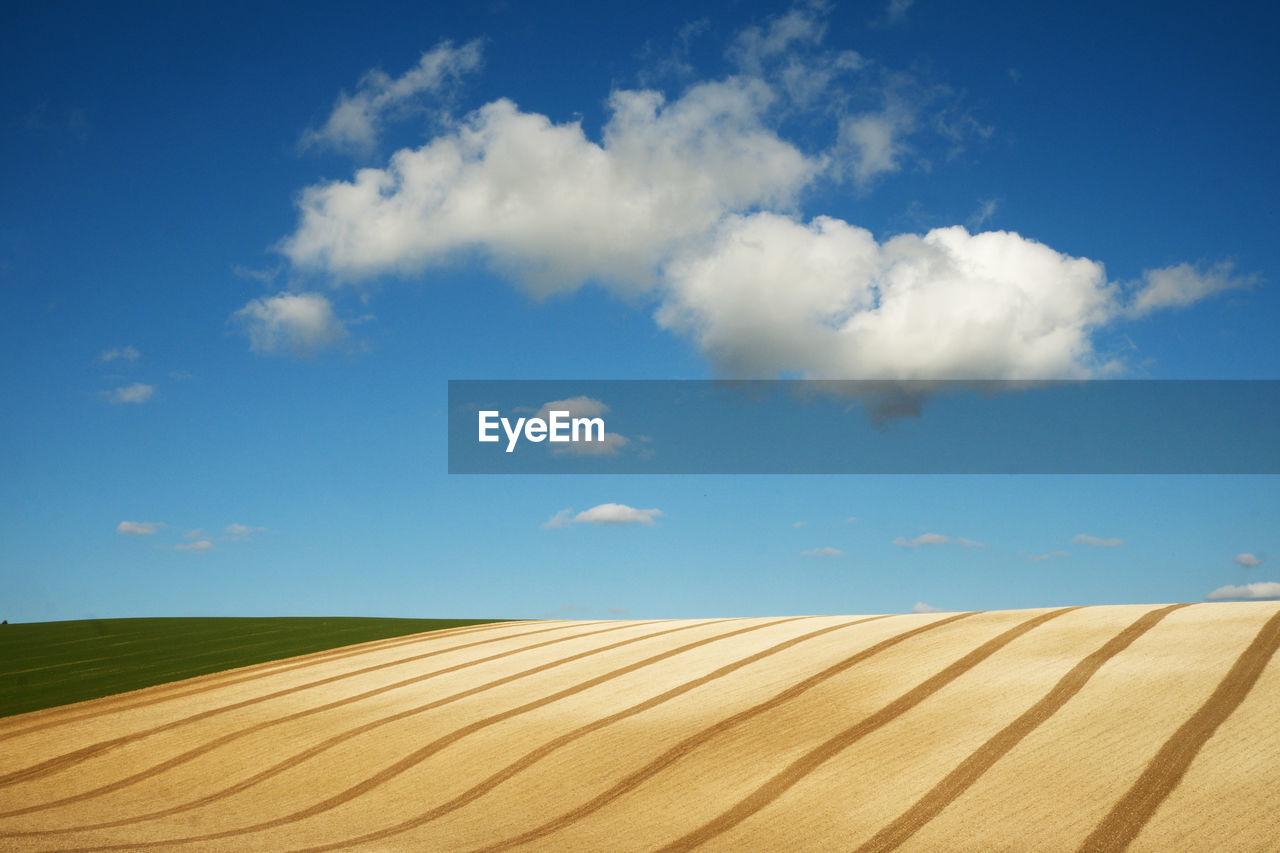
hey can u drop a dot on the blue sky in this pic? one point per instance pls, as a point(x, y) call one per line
point(244, 247)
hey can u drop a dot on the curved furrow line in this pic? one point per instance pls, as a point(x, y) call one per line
point(686, 746)
point(77, 712)
point(222, 740)
point(1127, 817)
point(529, 759)
point(805, 764)
point(70, 759)
point(143, 696)
point(424, 752)
point(981, 760)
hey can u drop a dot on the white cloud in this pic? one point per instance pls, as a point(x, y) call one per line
point(873, 143)
point(691, 202)
point(610, 445)
point(822, 552)
point(242, 532)
point(771, 294)
point(138, 528)
point(969, 543)
point(756, 45)
point(1250, 591)
point(584, 407)
point(1249, 561)
point(798, 524)
point(1182, 285)
point(297, 323)
point(609, 513)
point(549, 206)
point(896, 13)
point(357, 120)
point(126, 353)
point(922, 539)
point(138, 392)
point(985, 211)
point(1040, 558)
point(921, 607)
point(202, 545)
point(1086, 539)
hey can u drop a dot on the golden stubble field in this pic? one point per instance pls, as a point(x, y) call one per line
point(1140, 727)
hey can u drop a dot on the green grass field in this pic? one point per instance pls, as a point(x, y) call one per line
point(43, 664)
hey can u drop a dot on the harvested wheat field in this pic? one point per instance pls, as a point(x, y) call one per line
point(1144, 727)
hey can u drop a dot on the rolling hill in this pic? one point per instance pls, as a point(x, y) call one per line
point(1141, 727)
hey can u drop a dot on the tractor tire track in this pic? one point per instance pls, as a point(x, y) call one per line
point(229, 737)
point(424, 752)
point(801, 767)
point(684, 747)
point(529, 759)
point(981, 760)
point(70, 759)
point(1127, 817)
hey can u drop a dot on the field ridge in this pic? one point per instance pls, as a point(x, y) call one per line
point(1100, 728)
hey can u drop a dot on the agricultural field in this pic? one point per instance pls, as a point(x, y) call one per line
point(1139, 727)
point(43, 664)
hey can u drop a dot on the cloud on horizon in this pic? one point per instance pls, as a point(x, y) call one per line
point(608, 514)
point(925, 539)
point(1261, 591)
point(1096, 542)
point(139, 528)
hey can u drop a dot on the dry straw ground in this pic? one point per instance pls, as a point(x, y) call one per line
point(1142, 727)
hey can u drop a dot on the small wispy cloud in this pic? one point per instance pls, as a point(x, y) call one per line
point(127, 353)
point(300, 324)
point(607, 514)
point(822, 552)
point(797, 525)
point(921, 607)
point(136, 393)
point(139, 528)
point(242, 532)
point(1249, 561)
point(584, 407)
point(1095, 541)
point(1182, 285)
point(896, 13)
point(1052, 555)
point(357, 119)
point(201, 545)
point(1261, 591)
point(986, 210)
point(921, 540)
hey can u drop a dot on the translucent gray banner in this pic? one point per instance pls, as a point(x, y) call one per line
point(863, 427)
